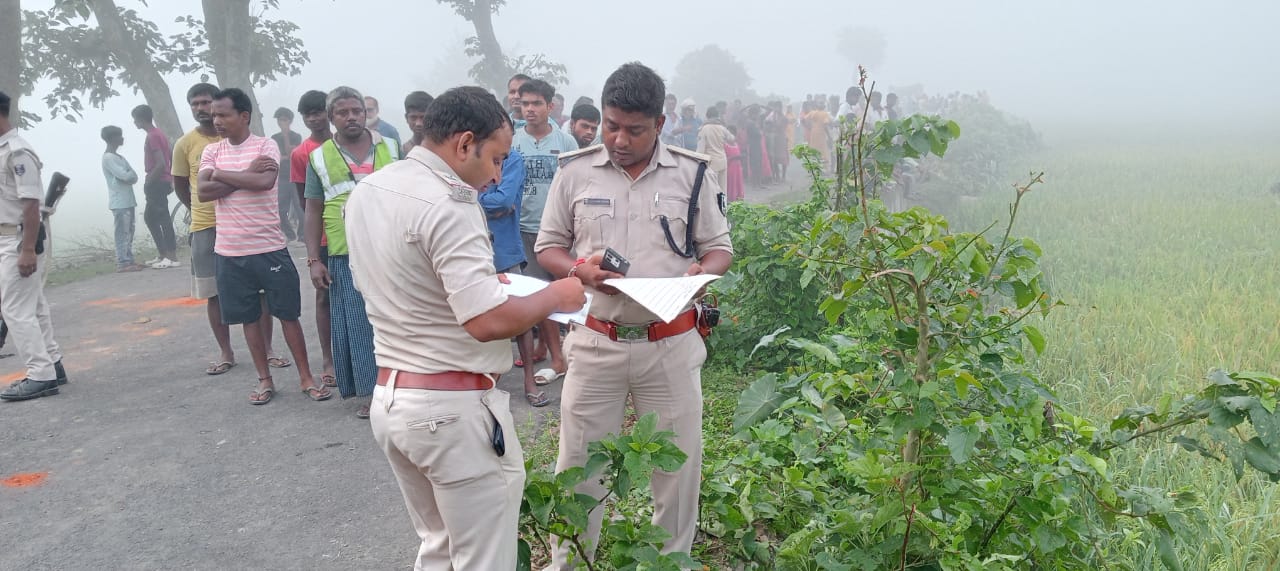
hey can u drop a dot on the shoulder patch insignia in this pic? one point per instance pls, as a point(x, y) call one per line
point(691, 154)
point(19, 169)
point(566, 157)
point(721, 202)
point(462, 193)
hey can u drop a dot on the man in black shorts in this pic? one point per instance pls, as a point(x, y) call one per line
point(239, 174)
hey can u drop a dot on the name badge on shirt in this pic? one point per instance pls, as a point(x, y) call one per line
point(598, 201)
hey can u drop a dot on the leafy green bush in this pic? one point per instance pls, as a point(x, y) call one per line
point(899, 424)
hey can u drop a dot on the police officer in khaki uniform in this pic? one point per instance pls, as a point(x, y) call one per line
point(421, 256)
point(633, 195)
point(22, 268)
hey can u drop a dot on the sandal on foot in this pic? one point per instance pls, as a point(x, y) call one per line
point(263, 396)
point(278, 362)
point(317, 393)
point(546, 376)
point(363, 412)
point(538, 399)
point(329, 381)
point(219, 367)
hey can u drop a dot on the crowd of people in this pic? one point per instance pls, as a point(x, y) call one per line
point(407, 242)
point(750, 145)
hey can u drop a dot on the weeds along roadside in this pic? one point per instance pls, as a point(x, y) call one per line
point(858, 385)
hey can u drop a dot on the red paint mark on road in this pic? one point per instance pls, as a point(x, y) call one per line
point(25, 480)
point(11, 377)
point(173, 302)
point(159, 332)
point(106, 301)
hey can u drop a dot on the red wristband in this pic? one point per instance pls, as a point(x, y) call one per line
point(574, 269)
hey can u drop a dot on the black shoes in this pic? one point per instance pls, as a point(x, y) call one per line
point(61, 373)
point(27, 389)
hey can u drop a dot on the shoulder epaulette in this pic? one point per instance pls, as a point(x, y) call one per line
point(691, 154)
point(569, 156)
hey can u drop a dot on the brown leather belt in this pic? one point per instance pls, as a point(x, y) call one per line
point(450, 381)
point(652, 332)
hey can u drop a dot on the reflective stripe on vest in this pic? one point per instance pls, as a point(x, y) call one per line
point(334, 172)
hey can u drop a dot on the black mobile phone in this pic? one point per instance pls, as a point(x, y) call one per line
point(614, 262)
point(496, 440)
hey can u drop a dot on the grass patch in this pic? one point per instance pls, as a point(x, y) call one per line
point(1166, 256)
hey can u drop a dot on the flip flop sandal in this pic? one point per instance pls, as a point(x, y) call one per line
point(219, 368)
point(317, 393)
point(278, 362)
point(262, 397)
point(538, 399)
point(330, 381)
point(546, 376)
point(519, 364)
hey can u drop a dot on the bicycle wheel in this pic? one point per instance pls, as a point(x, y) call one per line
point(181, 217)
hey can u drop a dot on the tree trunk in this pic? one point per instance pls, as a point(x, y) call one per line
point(495, 63)
point(11, 53)
point(229, 28)
point(135, 61)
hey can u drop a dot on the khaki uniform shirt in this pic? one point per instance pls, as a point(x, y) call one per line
point(19, 177)
point(420, 255)
point(593, 204)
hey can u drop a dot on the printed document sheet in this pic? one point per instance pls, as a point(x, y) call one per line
point(525, 285)
point(665, 297)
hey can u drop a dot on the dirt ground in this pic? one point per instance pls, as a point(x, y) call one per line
point(145, 462)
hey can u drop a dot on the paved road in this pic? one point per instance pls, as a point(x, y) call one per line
point(151, 464)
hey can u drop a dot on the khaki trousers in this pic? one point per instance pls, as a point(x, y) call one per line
point(26, 311)
point(463, 498)
point(664, 377)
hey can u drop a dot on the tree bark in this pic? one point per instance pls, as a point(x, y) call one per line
point(495, 63)
point(135, 61)
point(229, 27)
point(11, 53)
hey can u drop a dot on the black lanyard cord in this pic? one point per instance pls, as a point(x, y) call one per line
point(688, 251)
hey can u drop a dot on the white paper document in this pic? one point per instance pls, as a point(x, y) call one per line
point(665, 297)
point(525, 285)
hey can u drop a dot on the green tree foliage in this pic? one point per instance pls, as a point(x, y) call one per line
point(88, 49)
point(710, 73)
point(494, 67)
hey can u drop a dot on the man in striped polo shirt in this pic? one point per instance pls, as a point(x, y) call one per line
point(239, 175)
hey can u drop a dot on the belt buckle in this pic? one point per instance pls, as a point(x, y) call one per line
point(632, 332)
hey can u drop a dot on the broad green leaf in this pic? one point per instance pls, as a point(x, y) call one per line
point(816, 349)
point(919, 142)
point(964, 380)
point(961, 441)
point(1262, 458)
point(524, 556)
point(1035, 337)
point(1219, 377)
point(1047, 537)
point(953, 129)
point(1164, 547)
point(1193, 445)
point(834, 417)
point(757, 402)
point(768, 340)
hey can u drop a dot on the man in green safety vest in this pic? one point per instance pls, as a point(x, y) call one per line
point(333, 169)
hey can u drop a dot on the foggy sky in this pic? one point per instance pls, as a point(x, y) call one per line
point(1089, 64)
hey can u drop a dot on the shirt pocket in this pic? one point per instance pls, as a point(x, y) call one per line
point(675, 211)
point(593, 219)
